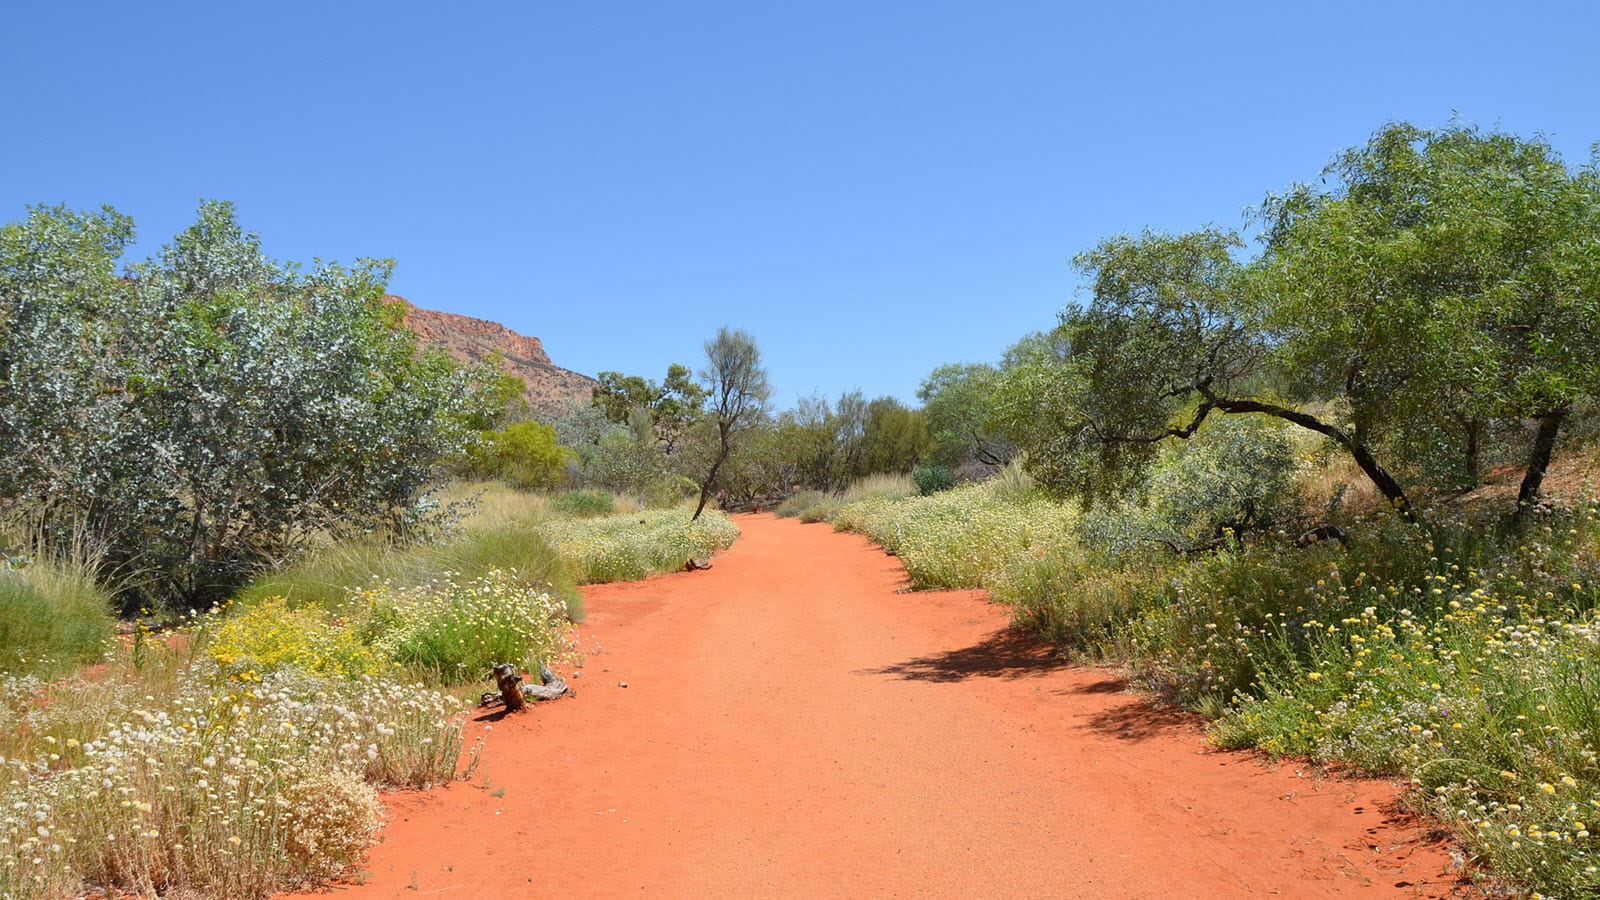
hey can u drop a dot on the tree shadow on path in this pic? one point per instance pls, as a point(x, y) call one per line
point(1007, 653)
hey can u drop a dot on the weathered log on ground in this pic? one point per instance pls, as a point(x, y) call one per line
point(553, 686)
point(514, 694)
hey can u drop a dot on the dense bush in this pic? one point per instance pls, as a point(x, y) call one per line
point(524, 455)
point(584, 503)
point(211, 410)
point(931, 479)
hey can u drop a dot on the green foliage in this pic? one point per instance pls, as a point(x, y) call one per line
point(669, 407)
point(737, 388)
point(209, 413)
point(1233, 478)
point(931, 479)
point(584, 503)
point(524, 455)
point(53, 618)
point(958, 401)
point(1416, 302)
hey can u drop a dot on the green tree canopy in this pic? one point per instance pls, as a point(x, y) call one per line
point(1438, 281)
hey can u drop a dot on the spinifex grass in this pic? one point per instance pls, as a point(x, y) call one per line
point(53, 617)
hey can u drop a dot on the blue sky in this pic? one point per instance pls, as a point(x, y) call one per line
point(871, 189)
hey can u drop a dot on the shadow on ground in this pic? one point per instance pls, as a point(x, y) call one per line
point(1008, 653)
point(1137, 720)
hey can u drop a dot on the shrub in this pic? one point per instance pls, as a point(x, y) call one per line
point(331, 817)
point(525, 455)
point(931, 479)
point(584, 503)
point(206, 415)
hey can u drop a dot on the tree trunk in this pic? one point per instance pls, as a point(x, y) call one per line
point(711, 477)
point(1544, 444)
point(1359, 451)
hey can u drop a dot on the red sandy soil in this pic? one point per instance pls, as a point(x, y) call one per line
point(795, 725)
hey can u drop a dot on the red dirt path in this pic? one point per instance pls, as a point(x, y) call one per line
point(795, 726)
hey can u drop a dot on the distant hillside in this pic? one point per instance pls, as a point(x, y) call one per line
point(469, 340)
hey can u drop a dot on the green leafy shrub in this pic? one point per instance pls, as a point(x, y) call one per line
point(213, 411)
point(1234, 477)
point(525, 455)
point(931, 479)
point(584, 503)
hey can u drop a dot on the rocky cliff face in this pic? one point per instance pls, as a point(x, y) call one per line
point(549, 387)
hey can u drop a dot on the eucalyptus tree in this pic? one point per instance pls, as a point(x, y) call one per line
point(737, 390)
point(1448, 276)
point(1437, 280)
point(672, 405)
point(958, 400)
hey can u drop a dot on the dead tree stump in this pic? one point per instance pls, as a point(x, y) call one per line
point(514, 694)
point(508, 681)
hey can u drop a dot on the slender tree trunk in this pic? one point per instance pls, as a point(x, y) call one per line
point(1544, 444)
point(711, 478)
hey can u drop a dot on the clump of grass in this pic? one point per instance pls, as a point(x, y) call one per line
point(455, 630)
point(883, 485)
point(963, 537)
point(635, 545)
point(806, 505)
point(499, 539)
point(54, 617)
